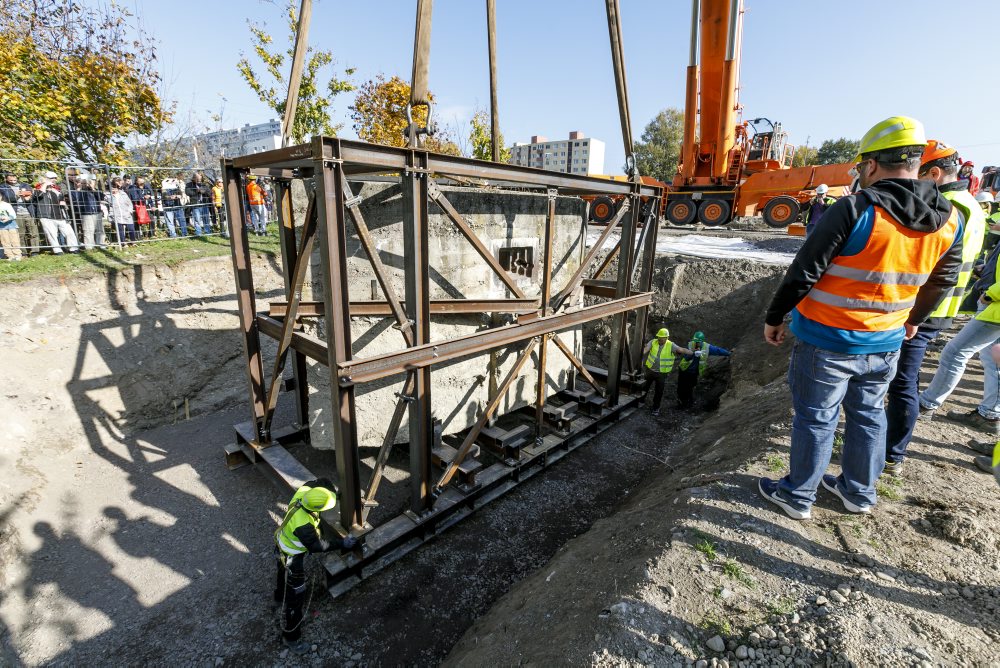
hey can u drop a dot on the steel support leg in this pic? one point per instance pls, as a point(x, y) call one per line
point(333, 247)
point(415, 251)
point(619, 326)
point(289, 255)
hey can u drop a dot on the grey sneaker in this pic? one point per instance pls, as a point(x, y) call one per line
point(769, 490)
point(984, 464)
point(895, 469)
point(975, 420)
point(926, 414)
point(982, 447)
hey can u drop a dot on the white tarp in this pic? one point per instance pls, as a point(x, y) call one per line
point(697, 245)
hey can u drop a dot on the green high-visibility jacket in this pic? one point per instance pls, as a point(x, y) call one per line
point(702, 361)
point(972, 243)
point(296, 517)
point(661, 361)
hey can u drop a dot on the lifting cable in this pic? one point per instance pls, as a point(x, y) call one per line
point(419, 93)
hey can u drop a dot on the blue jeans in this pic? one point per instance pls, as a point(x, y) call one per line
point(821, 381)
point(258, 217)
point(175, 215)
point(976, 336)
point(199, 216)
point(903, 406)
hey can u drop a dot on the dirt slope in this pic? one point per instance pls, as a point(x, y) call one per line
point(697, 568)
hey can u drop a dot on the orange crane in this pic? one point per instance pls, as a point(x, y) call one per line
point(730, 168)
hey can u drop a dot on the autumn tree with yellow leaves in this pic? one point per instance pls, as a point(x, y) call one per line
point(76, 81)
point(379, 115)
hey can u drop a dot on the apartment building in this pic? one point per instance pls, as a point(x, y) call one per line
point(576, 155)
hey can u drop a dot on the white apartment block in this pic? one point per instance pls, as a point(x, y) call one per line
point(241, 141)
point(576, 155)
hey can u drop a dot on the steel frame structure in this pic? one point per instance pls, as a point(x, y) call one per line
point(443, 489)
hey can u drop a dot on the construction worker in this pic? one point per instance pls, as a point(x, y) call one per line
point(867, 277)
point(985, 199)
point(690, 369)
point(660, 362)
point(939, 163)
point(971, 180)
point(256, 205)
point(817, 207)
point(299, 534)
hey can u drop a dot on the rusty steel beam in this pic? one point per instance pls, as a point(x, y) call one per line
point(595, 288)
point(439, 198)
point(438, 306)
point(473, 434)
point(383, 453)
point(607, 261)
point(382, 366)
point(546, 294)
point(246, 301)
point(623, 286)
point(294, 295)
point(575, 361)
point(577, 276)
point(309, 346)
point(289, 255)
point(392, 300)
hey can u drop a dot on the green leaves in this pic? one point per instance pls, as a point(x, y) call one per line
point(659, 149)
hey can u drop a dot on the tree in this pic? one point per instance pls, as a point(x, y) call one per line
point(658, 151)
point(481, 141)
point(379, 114)
point(312, 113)
point(804, 155)
point(76, 80)
point(835, 151)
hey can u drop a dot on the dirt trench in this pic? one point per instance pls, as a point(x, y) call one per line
point(108, 487)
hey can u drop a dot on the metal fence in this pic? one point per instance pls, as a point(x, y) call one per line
point(99, 205)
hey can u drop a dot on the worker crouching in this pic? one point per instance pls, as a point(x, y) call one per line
point(299, 534)
point(690, 369)
point(661, 355)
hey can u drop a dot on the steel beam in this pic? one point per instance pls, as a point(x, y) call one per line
point(333, 249)
point(387, 442)
point(289, 255)
point(416, 247)
point(546, 293)
point(578, 275)
point(438, 306)
point(619, 326)
point(245, 299)
point(575, 361)
point(382, 366)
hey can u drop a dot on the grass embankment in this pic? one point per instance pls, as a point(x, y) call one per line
point(167, 252)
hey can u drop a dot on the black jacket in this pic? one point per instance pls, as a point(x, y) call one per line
point(199, 193)
point(47, 203)
point(915, 204)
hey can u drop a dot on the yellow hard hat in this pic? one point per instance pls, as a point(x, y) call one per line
point(893, 132)
point(318, 499)
point(252, 177)
point(663, 333)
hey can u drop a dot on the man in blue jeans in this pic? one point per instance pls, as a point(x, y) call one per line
point(874, 268)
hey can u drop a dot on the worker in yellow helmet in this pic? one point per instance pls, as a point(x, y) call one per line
point(298, 535)
point(660, 355)
point(877, 264)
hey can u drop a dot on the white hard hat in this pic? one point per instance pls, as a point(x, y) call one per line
point(984, 196)
point(822, 189)
point(51, 175)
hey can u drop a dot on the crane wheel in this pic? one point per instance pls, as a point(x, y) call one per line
point(714, 212)
point(602, 209)
point(780, 211)
point(681, 211)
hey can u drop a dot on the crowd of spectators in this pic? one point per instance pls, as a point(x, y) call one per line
point(49, 214)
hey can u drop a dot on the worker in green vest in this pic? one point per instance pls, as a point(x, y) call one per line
point(939, 163)
point(298, 535)
point(690, 369)
point(660, 356)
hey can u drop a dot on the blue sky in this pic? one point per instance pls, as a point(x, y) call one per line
point(823, 69)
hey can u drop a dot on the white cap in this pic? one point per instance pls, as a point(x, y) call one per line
point(51, 175)
point(822, 189)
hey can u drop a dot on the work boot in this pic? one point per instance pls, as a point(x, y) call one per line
point(926, 414)
point(982, 447)
point(299, 647)
point(975, 420)
point(984, 464)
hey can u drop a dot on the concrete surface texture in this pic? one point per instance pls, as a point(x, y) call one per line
point(459, 389)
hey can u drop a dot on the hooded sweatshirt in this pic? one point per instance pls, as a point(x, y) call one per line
point(843, 231)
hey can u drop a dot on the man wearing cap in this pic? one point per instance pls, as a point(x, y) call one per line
point(690, 369)
point(18, 195)
point(869, 275)
point(817, 207)
point(50, 206)
point(939, 164)
point(298, 535)
point(660, 356)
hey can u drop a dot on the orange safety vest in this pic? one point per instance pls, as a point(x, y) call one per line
point(874, 290)
point(255, 194)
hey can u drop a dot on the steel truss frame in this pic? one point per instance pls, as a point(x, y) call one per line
point(442, 488)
